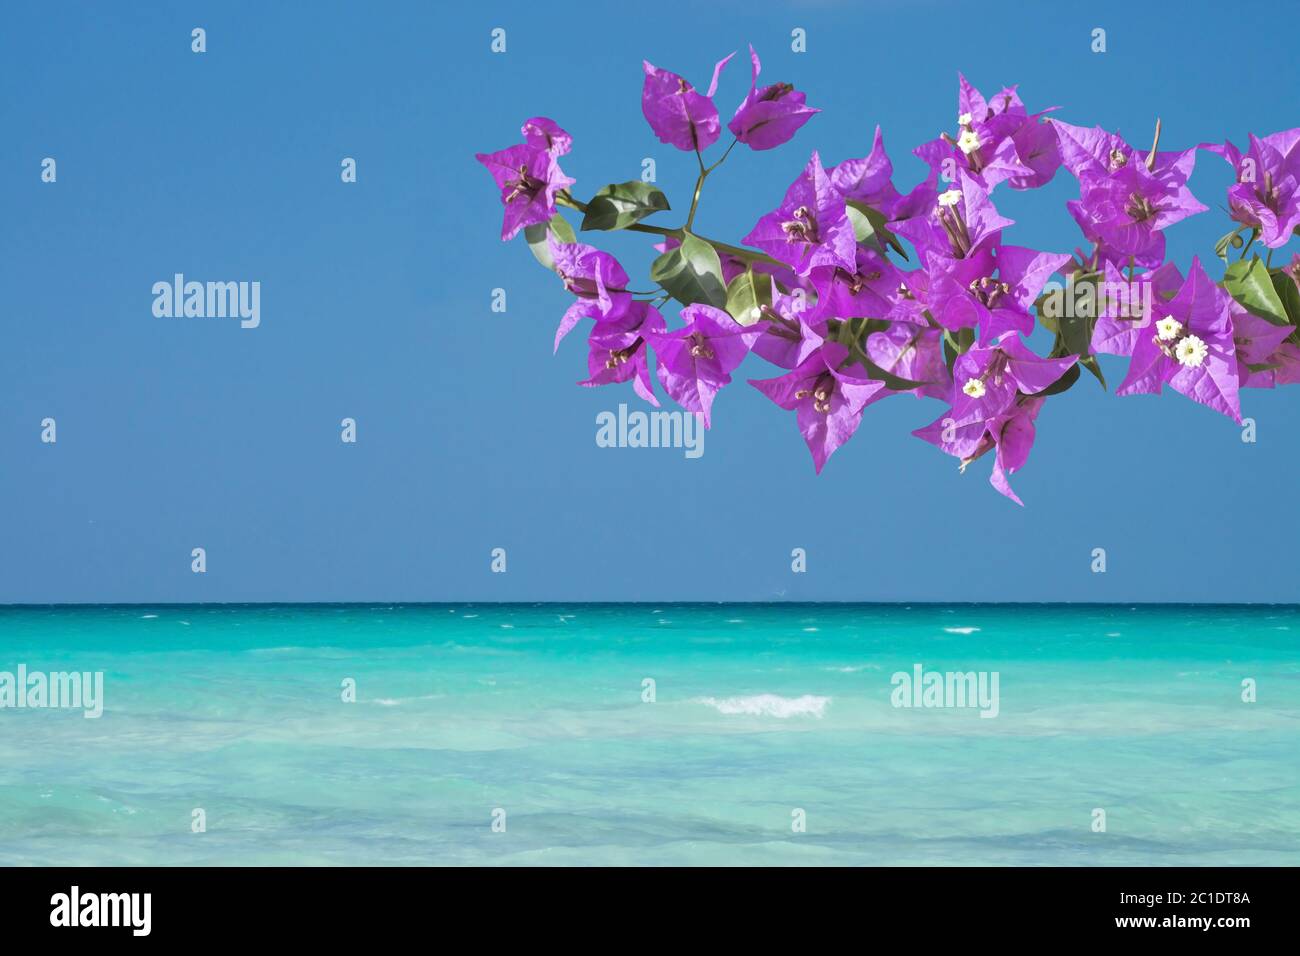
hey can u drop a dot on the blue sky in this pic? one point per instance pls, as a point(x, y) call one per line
point(375, 298)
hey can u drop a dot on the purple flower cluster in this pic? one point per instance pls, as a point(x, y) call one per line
point(823, 288)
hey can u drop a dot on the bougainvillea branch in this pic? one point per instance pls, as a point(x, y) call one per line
point(824, 288)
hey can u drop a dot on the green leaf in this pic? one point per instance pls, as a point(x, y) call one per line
point(619, 205)
point(869, 227)
point(691, 273)
point(956, 345)
point(950, 353)
point(1076, 333)
point(746, 293)
point(1289, 295)
point(1092, 365)
point(1072, 315)
point(1047, 317)
point(535, 236)
point(1068, 342)
point(1251, 285)
point(874, 371)
point(1061, 384)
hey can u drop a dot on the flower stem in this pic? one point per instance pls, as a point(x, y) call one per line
point(724, 156)
point(699, 182)
point(699, 186)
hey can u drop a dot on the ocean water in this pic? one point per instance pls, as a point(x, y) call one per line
point(535, 715)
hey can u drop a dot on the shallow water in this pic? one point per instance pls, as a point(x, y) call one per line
point(759, 711)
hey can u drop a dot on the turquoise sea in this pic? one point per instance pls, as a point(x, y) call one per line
point(759, 712)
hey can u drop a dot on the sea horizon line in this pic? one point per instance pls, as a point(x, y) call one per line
point(87, 605)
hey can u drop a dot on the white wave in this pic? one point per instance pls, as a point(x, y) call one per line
point(961, 630)
point(148, 617)
point(398, 701)
point(769, 705)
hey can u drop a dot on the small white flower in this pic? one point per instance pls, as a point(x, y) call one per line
point(968, 141)
point(950, 197)
point(1168, 328)
point(1191, 352)
point(965, 119)
point(755, 314)
point(974, 388)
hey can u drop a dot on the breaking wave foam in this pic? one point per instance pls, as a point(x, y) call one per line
point(770, 705)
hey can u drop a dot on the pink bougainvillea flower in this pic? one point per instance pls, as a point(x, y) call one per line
point(1257, 342)
point(1266, 195)
point(621, 356)
point(786, 338)
point(677, 112)
point(828, 401)
point(598, 281)
point(1011, 433)
point(1190, 347)
point(994, 403)
point(1126, 197)
point(770, 115)
point(1286, 364)
point(1038, 148)
point(965, 293)
point(1125, 212)
point(913, 351)
point(868, 182)
point(543, 133)
point(694, 362)
point(997, 140)
point(810, 228)
point(986, 379)
point(865, 290)
point(1094, 151)
point(959, 223)
point(528, 178)
point(1122, 304)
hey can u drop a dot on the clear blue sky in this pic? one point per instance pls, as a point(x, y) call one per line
point(181, 433)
